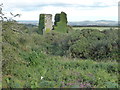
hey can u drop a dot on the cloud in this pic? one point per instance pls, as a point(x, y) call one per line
point(28, 4)
point(30, 9)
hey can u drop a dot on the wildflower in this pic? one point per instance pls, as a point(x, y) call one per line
point(41, 77)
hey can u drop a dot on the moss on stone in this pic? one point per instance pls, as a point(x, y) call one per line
point(41, 23)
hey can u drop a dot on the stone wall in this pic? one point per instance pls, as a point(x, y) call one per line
point(48, 23)
point(45, 23)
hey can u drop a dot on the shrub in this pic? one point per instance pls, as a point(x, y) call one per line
point(93, 44)
point(28, 56)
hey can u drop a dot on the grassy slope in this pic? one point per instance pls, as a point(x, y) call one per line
point(23, 67)
point(60, 72)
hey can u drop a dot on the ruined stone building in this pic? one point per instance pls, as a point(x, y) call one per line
point(45, 23)
point(48, 22)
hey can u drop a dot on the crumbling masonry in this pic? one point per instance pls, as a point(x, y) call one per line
point(45, 23)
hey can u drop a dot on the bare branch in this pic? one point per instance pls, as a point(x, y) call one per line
point(17, 15)
point(3, 15)
point(11, 13)
point(1, 4)
point(6, 18)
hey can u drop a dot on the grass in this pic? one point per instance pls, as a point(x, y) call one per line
point(98, 28)
point(24, 63)
point(60, 72)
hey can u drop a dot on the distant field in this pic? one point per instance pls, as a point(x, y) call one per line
point(99, 28)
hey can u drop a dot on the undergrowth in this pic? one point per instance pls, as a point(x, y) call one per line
point(58, 60)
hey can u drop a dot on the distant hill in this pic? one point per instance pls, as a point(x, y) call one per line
point(94, 23)
point(81, 23)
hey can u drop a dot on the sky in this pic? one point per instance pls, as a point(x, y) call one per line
point(76, 10)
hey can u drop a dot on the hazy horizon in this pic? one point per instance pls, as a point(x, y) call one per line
point(70, 21)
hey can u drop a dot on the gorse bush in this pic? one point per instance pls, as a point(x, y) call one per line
point(93, 44)
point(85, 44)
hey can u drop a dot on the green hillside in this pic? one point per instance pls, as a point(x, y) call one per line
point(79, 59)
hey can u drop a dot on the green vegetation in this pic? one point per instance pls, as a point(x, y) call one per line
point(57, 19)
point(94, 44)
point(98, 28)
point(41, 23)
point(79, 59)
point(61, 22)
point(47, 30)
